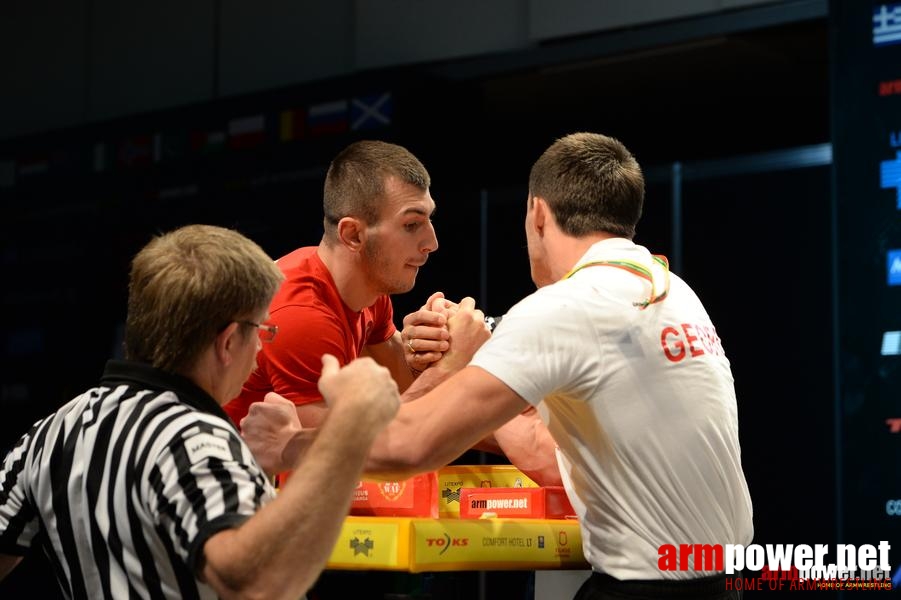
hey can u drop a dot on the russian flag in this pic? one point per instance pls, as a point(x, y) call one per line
point(327, 117)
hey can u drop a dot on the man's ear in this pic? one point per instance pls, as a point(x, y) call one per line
point(539, 212)
point(351, 233)
point(225, 343)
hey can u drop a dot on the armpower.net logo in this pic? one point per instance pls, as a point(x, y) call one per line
point(786, 566)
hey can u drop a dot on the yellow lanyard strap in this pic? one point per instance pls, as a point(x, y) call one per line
point(636, 269)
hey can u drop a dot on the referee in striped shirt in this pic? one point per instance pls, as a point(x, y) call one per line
point(141, 486)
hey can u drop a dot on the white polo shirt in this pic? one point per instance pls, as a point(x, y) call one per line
point(641, 402)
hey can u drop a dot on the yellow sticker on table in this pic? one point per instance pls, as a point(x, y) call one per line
point(446, 544)
point(368, 543)
point(453, 478)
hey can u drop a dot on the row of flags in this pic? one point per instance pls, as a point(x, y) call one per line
point(239, 133)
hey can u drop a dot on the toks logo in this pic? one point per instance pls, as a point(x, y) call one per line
point(446, 542)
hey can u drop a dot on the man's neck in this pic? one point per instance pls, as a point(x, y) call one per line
point(348, 275)
point(567, 250)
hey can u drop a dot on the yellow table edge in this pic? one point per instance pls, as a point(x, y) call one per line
point(423, 545)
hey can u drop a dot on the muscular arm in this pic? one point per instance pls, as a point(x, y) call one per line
point(449, 412)
point(443, 423)
point(527, 443)
point(463, 411)
point(276, 440)
point(280, 551)
point(390, 354)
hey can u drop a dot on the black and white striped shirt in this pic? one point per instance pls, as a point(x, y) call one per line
point(123, 485)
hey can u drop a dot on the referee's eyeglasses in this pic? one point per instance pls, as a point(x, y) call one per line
point(267, 330)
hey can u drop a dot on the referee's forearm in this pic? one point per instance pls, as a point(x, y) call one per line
point(282, 549)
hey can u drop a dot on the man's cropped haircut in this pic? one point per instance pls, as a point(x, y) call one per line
point(188, 285)
point(591, 183)
point(355, 182)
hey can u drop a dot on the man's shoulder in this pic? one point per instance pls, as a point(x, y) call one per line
point(297, 254)
point(550, 297)
point(300, 262)
point(307, 281)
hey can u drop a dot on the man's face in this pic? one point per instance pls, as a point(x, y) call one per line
point(402, 240)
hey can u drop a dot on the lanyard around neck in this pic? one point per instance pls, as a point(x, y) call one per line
point(636, 269)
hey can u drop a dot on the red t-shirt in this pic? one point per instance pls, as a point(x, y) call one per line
point(312, 320)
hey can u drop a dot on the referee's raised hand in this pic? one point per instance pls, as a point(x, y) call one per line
point(362, 386)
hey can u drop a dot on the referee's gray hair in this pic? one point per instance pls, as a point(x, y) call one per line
point(188, 285)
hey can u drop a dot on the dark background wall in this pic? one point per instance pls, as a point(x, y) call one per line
point(734, 80)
